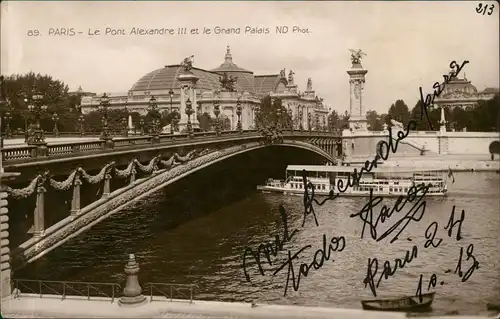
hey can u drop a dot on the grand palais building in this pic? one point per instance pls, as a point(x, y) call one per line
point(165, 85)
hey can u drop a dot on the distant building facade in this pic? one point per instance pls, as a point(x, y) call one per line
point(81, 92)
point(459, 92)
point(209, 89)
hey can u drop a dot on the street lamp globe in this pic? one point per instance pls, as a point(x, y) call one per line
point(152, 103)
point(104, 99)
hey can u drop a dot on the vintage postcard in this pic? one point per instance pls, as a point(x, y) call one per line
point(250, 159)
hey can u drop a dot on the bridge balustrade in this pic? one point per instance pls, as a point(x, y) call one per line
point(65, 289)
point(12, 154)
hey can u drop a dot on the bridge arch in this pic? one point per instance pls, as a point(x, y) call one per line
point(92, 214)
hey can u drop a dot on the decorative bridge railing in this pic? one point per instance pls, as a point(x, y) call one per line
point(70, 149)
point(65, 288)
point(93, 290)
point(170, 291)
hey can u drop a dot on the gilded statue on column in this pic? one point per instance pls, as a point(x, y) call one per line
point(187, 63)
point(356, 56)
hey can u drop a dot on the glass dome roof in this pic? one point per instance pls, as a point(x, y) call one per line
point(166, 78)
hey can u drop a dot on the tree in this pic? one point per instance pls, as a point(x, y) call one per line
point(20, 88)
point(333, 121)
point(494, 149)
point(419, 117)
point(375, 121)
point(206, 122)
point(269, 115)
point(458, 119)
point(399, 112)
point(344, 121)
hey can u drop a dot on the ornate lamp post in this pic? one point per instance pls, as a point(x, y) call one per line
point(330, 123)
point(37, 108)
point(316, 118)
point(257, 111)
point(171, 94)
point(81, 120)
point(189, 111)
point(103, 108)
point(125, 126)
point(8, 118)
point(176, 121)
point(55, 118)
point(153, 107)
point(141, 124)
point(301, 116)
point(217, 112)
point(309, 121)
point(278, 119)
point(238, 112)
point(290, 118)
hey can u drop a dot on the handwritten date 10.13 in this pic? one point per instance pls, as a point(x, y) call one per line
point(485, 8)
point(474, 264)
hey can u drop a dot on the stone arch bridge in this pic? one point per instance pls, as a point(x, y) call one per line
point(138, 165)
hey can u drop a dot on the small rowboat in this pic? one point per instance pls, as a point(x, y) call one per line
point(407, 303)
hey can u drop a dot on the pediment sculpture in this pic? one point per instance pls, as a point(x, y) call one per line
point(282, 74)
point(457, 95)
point(187, 63)
point(228, 82)
point(290, 77)
point(309, 84)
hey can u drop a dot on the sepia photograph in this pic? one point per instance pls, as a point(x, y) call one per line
point(250, 159)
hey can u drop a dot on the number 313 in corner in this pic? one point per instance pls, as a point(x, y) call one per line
point(485, 8)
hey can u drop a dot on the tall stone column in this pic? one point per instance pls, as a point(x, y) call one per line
point(5, 287)
point(188, 81)
point(357, 119)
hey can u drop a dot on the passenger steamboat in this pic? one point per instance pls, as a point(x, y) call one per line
point(385, 181)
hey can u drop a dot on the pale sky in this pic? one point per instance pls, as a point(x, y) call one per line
point(408, 44)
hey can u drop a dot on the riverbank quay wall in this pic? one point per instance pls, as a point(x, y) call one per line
point(51, 306)
point(421, 143)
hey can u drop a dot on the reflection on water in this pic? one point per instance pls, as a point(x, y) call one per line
point(208, 250)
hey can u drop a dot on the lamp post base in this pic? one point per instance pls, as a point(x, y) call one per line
point(136, 301)
point(108, 142)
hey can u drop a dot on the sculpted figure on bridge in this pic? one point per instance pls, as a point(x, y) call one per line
point(356, 56)
point(187, 63)
point(397, 124)
point(228, 82)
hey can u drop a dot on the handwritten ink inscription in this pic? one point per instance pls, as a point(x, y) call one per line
point(485, 8)
point(414, 199)
point(271, 249)
point(426, 103)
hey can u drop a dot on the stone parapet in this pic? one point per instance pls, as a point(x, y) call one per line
point(77, 307)
point(5, 287)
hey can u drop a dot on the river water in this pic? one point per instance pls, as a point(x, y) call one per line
point(205, 245)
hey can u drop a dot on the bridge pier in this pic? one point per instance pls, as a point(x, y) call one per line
point(5, 287)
